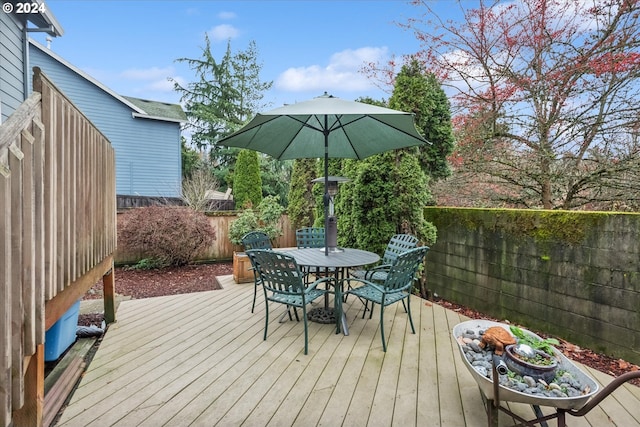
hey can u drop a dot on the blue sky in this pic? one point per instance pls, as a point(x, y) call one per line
point(305, 47)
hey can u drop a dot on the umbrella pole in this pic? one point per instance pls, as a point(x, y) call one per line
point(326, 185)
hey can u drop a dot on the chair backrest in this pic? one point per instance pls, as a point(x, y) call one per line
point(398, 244)
point(310, 237)
point(256, 240)
point(278, 272)
point(404, 268)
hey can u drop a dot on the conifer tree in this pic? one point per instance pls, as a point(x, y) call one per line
point(419, 92)
point(247, 185)
point(301, 200)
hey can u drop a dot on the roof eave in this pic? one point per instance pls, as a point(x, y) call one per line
point(164, 119)
point(44, 20)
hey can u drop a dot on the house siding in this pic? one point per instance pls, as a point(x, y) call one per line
point(11, 71)
point(147, 151)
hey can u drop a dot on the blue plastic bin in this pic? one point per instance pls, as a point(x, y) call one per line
point(62, 334)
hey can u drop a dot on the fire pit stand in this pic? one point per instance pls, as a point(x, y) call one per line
point(493, 405)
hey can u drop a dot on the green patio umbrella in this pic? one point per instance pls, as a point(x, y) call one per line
point(326, 127)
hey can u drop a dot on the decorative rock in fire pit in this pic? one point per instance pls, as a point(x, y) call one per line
point(524, 360)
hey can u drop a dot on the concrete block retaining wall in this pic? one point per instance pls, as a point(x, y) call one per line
point(575, 275)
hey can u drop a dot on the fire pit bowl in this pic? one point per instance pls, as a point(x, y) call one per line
point(590, 387)
point(523, 364)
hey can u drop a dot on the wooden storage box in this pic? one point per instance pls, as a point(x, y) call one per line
point(242, 272)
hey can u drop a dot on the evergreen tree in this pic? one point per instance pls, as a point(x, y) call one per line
point(386, 196)
point(276, 178)
point(374, 208)
point(301, 199)
point(345, 205)
point(247, 185)
point(226, 93)
point(190, 158)
point(419, 92)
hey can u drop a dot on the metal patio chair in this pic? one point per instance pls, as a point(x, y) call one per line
point(255, 240)
point(283, 283)
point(395, 288)
point(397, 245)
point(310, 237)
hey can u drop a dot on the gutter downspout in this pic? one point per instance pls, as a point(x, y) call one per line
point(25, 61)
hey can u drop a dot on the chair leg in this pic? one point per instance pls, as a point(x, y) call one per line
point(266, 319)
point(306, 333)
point(338, 309)
point(409, 313)
point(349, 287)
point(286, 313)
point(384, 343)
point(255, 294)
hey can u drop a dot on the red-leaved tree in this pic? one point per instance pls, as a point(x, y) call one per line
point(545, 96)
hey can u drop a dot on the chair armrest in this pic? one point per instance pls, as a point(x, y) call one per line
point(367, 283)
point(370, 272)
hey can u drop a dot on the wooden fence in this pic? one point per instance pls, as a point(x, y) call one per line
point(57, 231)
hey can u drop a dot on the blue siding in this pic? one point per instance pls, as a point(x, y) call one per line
point(11, 67)
point(148, 159)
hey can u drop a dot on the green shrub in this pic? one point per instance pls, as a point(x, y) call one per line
point(165, 235)
point(265, 219)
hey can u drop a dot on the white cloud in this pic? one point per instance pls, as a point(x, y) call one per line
point(341, 73)
point(223, 32)
point(152, 73)
point(149, 83)
point(162, 85)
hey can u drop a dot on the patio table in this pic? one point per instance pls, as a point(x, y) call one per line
point(337, 262)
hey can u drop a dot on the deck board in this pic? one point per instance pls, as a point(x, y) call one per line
point(200, 360)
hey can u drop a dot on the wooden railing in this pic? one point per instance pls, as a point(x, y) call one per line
point(57, 231)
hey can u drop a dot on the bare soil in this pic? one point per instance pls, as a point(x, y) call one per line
point(202, 277)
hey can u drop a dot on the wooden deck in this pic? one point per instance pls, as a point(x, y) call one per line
point(200, 360)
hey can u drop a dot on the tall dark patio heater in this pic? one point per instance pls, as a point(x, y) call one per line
point(331, 231)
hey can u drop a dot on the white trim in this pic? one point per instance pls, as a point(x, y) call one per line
point(56, 29)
